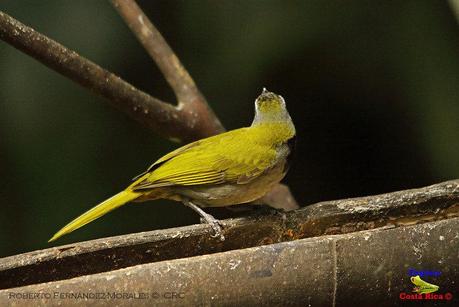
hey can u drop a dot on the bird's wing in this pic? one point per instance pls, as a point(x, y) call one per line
point(220, 159)
point(167, 157)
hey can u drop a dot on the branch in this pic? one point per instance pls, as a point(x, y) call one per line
point(356, 269)
point(188, 95)
point(157, 47)
point(163, 118)
point(397, 209)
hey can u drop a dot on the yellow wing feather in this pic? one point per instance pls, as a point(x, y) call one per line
point(213, 160)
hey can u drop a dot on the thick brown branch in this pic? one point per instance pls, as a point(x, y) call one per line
point(160, 117)
point(175, 73)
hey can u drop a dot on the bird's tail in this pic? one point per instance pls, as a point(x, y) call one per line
point(96, 212)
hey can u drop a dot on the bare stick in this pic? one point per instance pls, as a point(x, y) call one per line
point(157, 47)
point(177, 76)
point(162, 118)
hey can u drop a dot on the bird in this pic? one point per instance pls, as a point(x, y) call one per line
point(235, 167)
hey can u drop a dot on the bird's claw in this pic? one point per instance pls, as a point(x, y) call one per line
point(279, 212)
point(216, 227)
point(208, 219)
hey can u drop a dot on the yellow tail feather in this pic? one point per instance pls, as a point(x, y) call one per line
point(96, 212)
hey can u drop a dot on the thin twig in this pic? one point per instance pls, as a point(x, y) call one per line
point(177, 76)
point(163, 118)
point(157, 47)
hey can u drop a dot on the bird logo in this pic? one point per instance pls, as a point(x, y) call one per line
point(422, 286)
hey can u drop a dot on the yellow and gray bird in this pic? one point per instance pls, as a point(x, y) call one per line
point(236, 167)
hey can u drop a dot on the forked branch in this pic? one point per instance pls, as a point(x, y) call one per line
point(163, 118)
point(190, 99)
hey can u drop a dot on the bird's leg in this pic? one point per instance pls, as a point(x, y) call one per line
point(209, 219)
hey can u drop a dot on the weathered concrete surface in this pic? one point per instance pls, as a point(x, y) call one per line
point(366, 268)
point(436, 202)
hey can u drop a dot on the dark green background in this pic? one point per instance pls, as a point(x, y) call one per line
point(372, 88)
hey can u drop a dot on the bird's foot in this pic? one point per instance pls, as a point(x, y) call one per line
point(282, 215)
point(208, 219)
point(215, 224)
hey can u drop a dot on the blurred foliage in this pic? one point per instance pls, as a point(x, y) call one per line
point(371, 86)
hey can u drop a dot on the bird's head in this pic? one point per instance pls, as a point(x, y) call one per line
point(270, 107)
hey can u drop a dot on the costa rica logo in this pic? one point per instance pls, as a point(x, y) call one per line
point(422, 289)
